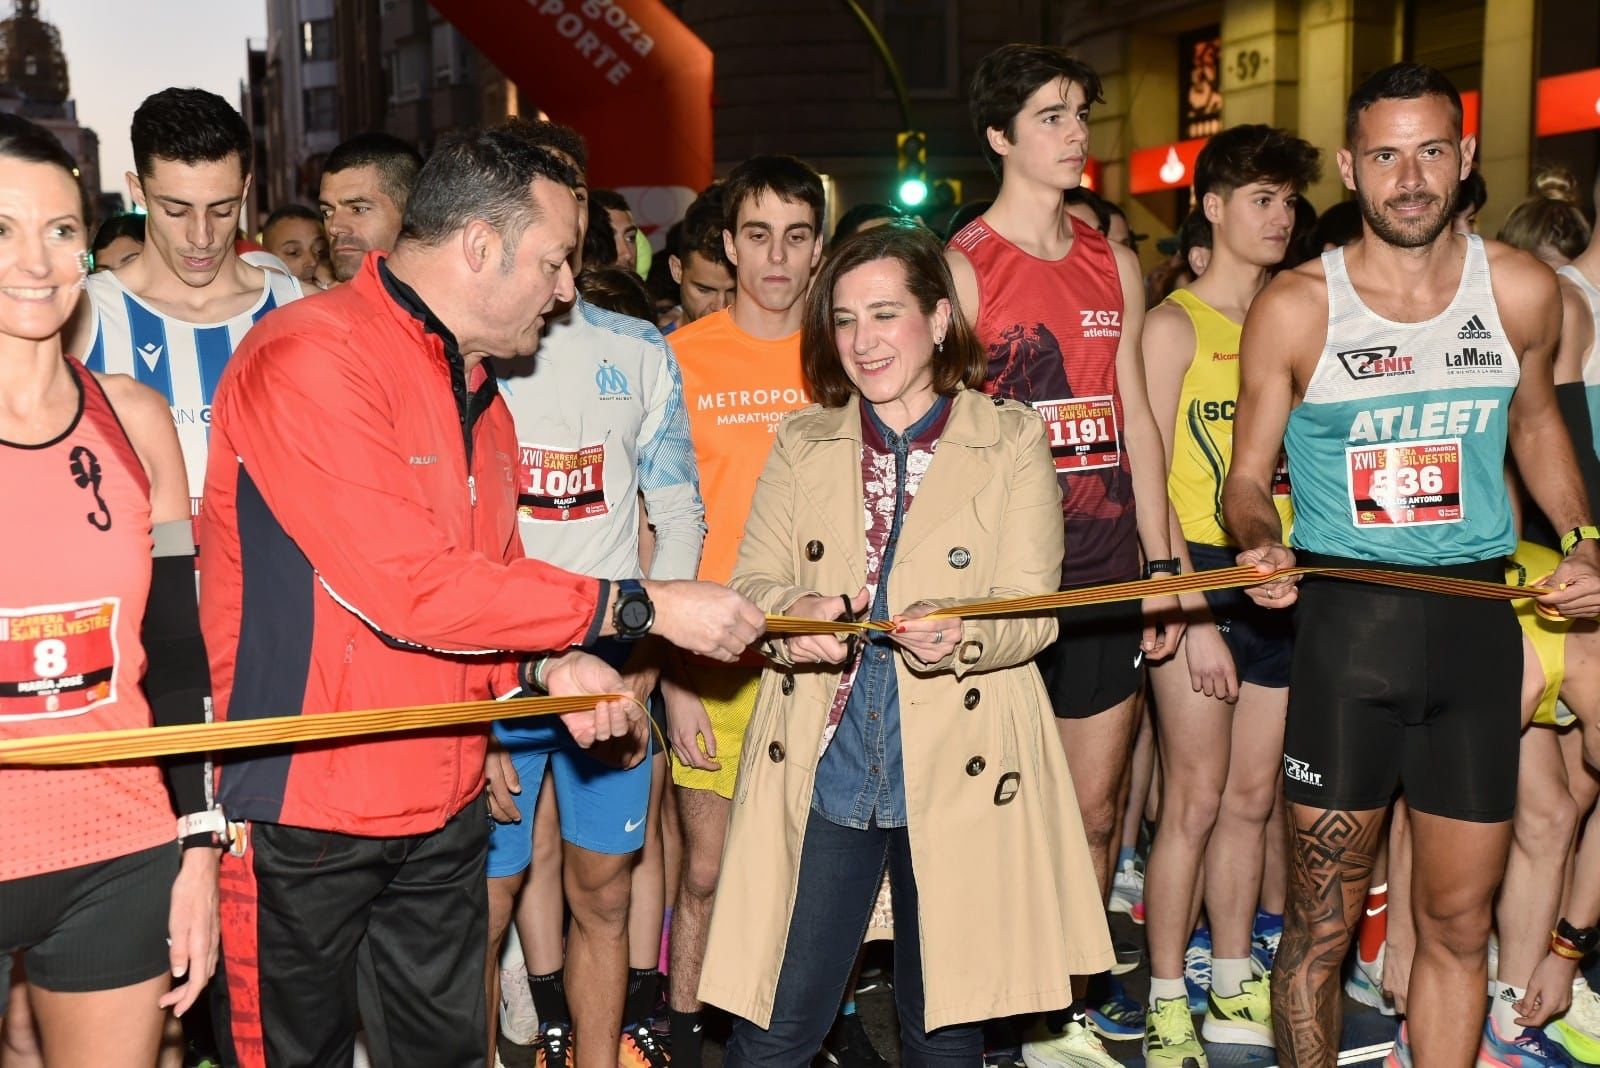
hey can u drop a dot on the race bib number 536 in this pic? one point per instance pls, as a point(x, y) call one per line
point(57, 660)
point(561, 484)
point(1405, 484)
point(1082, 432)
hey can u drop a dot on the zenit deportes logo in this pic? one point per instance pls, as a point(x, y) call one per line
point(1377, 362)
point(1300, 771)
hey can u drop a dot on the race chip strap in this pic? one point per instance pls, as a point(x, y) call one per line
point(1083, 433)
point(57, 660)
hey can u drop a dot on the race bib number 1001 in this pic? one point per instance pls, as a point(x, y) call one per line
point(562, 485)
point(1082, 432)
point(1405, 484)
point(57, 660)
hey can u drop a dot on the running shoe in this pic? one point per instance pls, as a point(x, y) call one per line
point(1137, 913)
point(1169, 1038)
point(519, 1023)
point(1365, 984)
point(873, 980)
point(553, 1047)
point(1244, 1019)
point(639, 1049)
point(1127, 888)
point(1120, 1018)
point(1003, 1057)
point(848, 1046)
point(1400, 1053)
point(1197, 969)
point(1129, 956)
point(1578, 1030)
point(1264, 948)
point(1528, 1049)
point(1075, 1047)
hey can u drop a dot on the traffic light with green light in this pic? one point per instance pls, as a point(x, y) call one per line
point(912, 157)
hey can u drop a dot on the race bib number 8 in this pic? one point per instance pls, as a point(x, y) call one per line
point(1082, 432)
point(561, 485)
point(1405, 484)
point(57, 660)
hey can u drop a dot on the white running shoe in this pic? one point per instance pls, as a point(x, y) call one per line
point(1127, 888)
point(1075, 1047)
point(518, 1020)
point(1365, 984)
point(1578, 1030)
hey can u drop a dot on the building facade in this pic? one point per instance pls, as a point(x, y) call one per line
point(34, 83)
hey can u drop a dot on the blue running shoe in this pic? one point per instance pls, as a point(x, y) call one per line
point(1120, 1018)
point(1197, 969)
point(1531, 1048)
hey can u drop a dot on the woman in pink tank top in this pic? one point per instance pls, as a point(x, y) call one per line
point(93, 885)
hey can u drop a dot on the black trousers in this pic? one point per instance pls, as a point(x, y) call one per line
point(418, 905)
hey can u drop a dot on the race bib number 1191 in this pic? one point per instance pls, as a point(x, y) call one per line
point(1082, 432)
point(57, 660)
point(1405, 484)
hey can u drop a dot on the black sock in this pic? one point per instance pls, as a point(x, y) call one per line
point(1056, 1022)
point(550, 998)
point(1097, 991)
point(687, 1039)
point(643, 984)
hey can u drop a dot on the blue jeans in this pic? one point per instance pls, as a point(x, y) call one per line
point(839, 872)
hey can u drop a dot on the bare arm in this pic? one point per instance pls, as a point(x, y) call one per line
point(1146, 452)
point(1537, 438)
point(1273, 335)
point(966, 280)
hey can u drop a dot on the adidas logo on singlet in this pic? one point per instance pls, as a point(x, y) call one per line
point(1474, 330)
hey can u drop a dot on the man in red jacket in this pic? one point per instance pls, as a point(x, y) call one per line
point(363, 553)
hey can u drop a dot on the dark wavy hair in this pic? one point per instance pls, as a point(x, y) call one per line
point(962, 361)
point(189, 126)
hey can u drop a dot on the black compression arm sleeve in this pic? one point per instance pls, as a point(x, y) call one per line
point(177, 682)
point(1574, 405)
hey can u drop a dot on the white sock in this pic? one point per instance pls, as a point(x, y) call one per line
point(1228, 975)
point(1503, 1008)
point(1167, 989)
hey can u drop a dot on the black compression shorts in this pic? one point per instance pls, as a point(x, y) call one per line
point(1404, 690)
point(98, 926)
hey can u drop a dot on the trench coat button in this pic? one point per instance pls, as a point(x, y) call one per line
point(788, 685)
point(813, 550)
point(975, 766)
point(1005, 791)
point(971, 698)
point(775, 751)
point(960, 557)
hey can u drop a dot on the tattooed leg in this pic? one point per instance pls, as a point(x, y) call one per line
point(1330, 866)
point(1456, 870)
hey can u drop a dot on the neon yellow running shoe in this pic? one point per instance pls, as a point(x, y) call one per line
point(1169, 1038)
point(1244, 1019)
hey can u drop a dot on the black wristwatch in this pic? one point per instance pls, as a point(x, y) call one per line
point(1161, 567)
point(633, 614)
point(1587, 939)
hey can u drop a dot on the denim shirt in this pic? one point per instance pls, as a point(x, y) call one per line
point(861, 778)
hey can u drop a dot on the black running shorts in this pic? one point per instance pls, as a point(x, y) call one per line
point(95, 927)
point(1094, 664)
point(1399, 690)
point(1260, 639)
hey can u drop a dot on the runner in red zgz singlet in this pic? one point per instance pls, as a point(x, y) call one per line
point(1052, 330)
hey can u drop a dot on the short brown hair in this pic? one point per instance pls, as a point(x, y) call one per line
point(1008, 76)
point(960, 362)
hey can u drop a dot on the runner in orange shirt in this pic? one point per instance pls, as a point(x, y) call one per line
point(741, 375)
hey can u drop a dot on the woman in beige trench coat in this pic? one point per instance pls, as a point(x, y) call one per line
point(929, 752)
